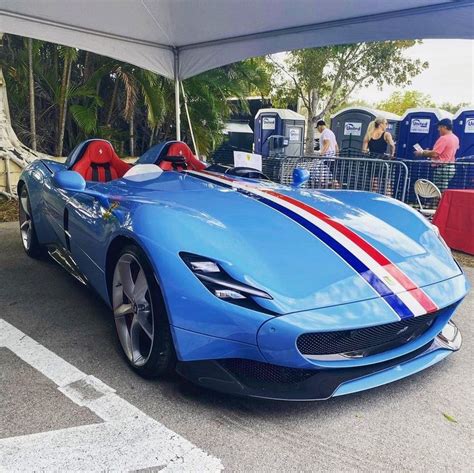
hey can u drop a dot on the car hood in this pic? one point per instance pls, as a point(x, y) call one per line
point(265, 248)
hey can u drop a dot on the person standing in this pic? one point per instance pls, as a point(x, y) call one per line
point(443, 154)
point(327, 140)
point(379, 143)
point(378, 139)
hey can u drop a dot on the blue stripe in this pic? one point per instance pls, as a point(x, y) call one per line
point(372, 279)
point(375, 282)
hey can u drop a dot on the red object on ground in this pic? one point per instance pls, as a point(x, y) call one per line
point(455, 219)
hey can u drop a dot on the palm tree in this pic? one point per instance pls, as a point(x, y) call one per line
point(69, 56)
point(79, 94)
point(208, 95)
point(31, 83)
point(147, 85)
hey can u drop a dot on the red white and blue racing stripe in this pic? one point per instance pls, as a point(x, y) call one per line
point(404, 297)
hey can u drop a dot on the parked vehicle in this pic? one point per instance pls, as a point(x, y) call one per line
point(243, 285)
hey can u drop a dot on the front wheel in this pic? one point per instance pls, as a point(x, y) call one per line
point(140, 315)
point(27, 228)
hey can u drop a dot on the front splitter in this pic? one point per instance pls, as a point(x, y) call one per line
point(318, 384)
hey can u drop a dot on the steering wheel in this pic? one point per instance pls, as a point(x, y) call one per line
point(249, 173)
point(176, 161)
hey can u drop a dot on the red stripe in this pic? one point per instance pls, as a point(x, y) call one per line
point(375, 254)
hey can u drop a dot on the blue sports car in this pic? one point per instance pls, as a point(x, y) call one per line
point(243, 285)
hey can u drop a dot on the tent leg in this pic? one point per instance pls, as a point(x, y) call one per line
point(177, 110)
point(196, 151)
point(176, 96)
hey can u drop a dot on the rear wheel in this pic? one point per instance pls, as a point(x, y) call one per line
point(27, 228)
point(140, 315)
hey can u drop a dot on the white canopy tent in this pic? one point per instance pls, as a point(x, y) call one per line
point(181, 38)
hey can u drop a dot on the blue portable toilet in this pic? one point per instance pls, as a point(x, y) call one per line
point(463, 128)
point(350, 125)
point(419, 126)
point(279, 122)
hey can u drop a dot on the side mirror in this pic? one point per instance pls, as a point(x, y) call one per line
point(69, 181)
point(72, 181)
point(300, 176)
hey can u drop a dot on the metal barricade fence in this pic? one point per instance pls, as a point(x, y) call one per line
point(354, 170)
point(456, 175)
point(388, 177)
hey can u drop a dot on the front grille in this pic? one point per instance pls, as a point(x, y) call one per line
point(246, 370)
point(365, 341)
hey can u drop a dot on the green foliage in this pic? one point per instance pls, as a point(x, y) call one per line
point(399, 101)
point(207, 96)
point(103, 94)
point(324, 78)
point(453, 108)
point(85, 116)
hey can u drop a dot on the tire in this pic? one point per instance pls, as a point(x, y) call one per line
point(28, 235)
point(140, 315)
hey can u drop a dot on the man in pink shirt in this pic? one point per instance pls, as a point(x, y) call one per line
point(443, 154)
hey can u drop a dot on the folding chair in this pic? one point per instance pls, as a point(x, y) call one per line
point(425, 189)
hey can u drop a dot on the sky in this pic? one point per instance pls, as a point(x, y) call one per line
point(449, 78)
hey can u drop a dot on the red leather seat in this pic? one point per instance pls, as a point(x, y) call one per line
point(100, 163)
point(182, 149)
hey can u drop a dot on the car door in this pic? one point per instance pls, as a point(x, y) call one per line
point(87, 227)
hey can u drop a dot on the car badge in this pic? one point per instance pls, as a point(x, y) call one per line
point(100, 150)
point(108, 213)
point(389, 280)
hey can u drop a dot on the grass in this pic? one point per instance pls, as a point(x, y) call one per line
point(8, 210)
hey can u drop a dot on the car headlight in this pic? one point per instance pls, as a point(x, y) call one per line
point(223, 286)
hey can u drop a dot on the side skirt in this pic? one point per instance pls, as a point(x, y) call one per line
point(64, 259)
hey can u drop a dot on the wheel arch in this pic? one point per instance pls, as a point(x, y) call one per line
point(116, 244)
point(113, 250)
point(19, 186)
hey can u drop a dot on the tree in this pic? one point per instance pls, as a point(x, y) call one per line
point(12, 151)
point(69, 56)
point(324, 78)
point(399, 102)
point(79, 95)
point(453, 108)
point(31, 84)
point(208, 93)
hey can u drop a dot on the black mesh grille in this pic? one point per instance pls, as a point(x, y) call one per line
point(265, 372)
point(368, 340)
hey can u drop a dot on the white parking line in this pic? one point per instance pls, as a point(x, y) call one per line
point(127, 440)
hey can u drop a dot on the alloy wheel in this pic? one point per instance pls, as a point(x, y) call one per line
point(26, 226)
point(133, 309)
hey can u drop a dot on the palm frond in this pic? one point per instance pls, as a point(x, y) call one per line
point(85, 117)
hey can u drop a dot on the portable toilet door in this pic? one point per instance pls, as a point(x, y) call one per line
point(350, 125)
point(283, 122)
point(419, 126)
point(293, 129)
point(267, 123)
point(463, 128)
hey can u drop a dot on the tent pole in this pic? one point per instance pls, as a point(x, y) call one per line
point(196, 151)
point(176, 96)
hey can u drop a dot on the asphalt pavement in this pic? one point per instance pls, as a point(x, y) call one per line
point(423, 423)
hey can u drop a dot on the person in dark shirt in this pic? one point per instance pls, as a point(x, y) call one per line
point(377, 139)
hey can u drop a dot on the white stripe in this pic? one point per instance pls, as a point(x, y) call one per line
point(373, 265)
point(127, 440)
